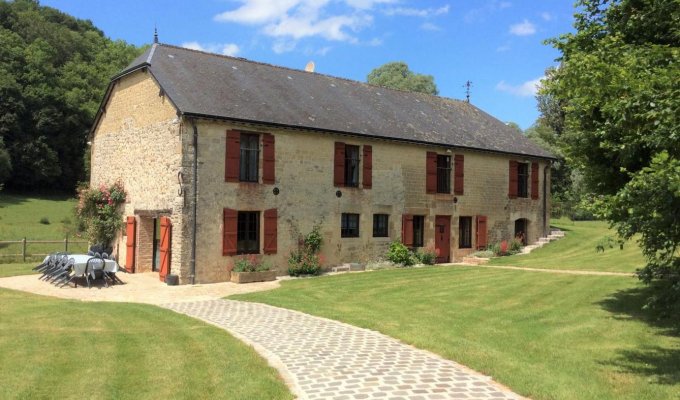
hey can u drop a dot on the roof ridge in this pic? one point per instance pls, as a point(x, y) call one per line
point(301, 70)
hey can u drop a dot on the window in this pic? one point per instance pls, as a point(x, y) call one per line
point(522, 179)
point(351, 166)
point(380, 225)
point(349, 225)
point(418, 230)
point(465, 232)
point(248, 232)
point(443, 174)
point(250, 153)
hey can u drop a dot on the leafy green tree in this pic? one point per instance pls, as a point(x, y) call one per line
point(397, 75)
point(617, 89)
point(54, 69)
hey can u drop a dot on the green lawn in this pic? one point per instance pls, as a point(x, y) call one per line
point(16, 269)
point(21, 215)
point(577, 251)
point(62, 349)
point(546, 336)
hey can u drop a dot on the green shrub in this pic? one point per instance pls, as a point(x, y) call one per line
point(426, 257)
point(515, 246)
point(306, 260)
point(400, 254)
point(250, 263)
point(44, 221)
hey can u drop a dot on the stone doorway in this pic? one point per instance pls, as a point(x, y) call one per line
point(521, 229)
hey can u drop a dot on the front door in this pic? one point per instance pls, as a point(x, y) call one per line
point(442, 238)
point(166, 234)
point(155, 265)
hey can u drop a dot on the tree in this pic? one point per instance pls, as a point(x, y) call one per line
point(397, 75)
point(54, 69)
point(617, 89)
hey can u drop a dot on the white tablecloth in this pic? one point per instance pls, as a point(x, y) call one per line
point(81, 263)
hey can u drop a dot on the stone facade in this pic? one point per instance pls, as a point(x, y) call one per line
point(141, 141)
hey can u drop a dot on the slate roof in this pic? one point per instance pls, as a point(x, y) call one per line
point(222, 87)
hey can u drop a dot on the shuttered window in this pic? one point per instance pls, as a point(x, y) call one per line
point(270, 231)
point(534, 181)
point(512, 188)
point(248, 233)
point(418, 230)
point(522, 180)
point(351, 166)
point(443, 173)
point(250, 155)
point(407, 230)
point(229, 234)
point(459, 174)
point(431, 172)
point(268, 159)
point(368, 167)
point(232, 157)
point(339, 165)
point(465, 232)
point(482, 239)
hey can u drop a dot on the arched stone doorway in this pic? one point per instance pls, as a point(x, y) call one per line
point(521, 229)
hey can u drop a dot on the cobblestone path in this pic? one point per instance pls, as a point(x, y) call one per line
point(324, 359)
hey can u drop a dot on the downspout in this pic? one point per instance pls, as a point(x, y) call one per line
point(194, 202)
point(546, 230)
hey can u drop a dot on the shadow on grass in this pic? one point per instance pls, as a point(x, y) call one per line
point(658, 363)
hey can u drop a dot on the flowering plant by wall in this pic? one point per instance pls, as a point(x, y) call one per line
point(99, 213)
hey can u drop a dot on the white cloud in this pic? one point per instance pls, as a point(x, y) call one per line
point(367, 4)
point(524, 28)
point(488, 8)
point(227, 49)
point(546, 16)
point(528, 88)
point(257, 11)
point(429, 26)
point(418, 12)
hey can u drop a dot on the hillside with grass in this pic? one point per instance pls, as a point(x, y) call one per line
point(578, 250)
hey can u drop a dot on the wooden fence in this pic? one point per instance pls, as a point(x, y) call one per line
point(24, 246)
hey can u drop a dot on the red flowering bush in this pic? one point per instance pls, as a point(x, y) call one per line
point(99, 213)
point(306, 260)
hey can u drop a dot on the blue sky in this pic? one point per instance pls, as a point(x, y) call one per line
point(495, 44)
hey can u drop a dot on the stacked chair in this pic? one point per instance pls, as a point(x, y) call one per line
point(58, 269)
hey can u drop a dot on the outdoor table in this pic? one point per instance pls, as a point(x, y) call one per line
point(80, 263)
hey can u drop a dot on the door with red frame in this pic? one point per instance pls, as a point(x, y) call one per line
point(166, 234)
point(442, 238)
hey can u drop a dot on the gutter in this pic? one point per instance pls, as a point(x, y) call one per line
point(192, 275)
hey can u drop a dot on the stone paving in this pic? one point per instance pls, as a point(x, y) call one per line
point(325, 359)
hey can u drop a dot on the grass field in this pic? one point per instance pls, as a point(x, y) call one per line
point(577, 251)
point(16, 269)
point(63, 349)
point(546, 336)
point(20, 217)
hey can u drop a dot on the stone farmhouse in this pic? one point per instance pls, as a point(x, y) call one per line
point(223, 156)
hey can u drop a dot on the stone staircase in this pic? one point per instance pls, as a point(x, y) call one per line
point(349, 267)
point(555, 234)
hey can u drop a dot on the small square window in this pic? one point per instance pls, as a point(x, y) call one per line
point(380, 225)
point(349, 225)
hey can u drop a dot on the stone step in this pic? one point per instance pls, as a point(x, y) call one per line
point(349, 267)
point(341, 268)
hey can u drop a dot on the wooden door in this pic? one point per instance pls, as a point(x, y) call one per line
point(166, 233)
point(130, 232)
point(482, 240)
point(442, 238)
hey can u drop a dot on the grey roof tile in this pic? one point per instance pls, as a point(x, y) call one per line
point(218, 86)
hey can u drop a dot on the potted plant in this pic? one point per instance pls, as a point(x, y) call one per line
point(249, 269)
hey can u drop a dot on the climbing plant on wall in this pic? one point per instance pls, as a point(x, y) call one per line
point(99, 212)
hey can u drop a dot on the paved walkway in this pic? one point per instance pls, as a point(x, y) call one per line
point(325, 359)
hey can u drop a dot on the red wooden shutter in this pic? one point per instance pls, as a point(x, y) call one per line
point(431, 168)
point(534, 180)
point(268, 159)
point(482, 241)
point(368, 167)
point(166, 234)
point(130, 231)
point(339, 163)
point(233, 155)
point(229, 233)
point(512, 189)
point(270, 231)
point(407, 230)
point(459, 174)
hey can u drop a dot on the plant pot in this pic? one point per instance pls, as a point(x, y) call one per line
point(248, 277)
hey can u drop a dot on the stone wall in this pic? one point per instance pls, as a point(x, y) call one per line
point(304, 176)
point(139, 141)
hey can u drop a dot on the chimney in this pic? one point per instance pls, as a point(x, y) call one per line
point(310, 66)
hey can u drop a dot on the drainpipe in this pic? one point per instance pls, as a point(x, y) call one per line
point(194, 202)
point(546, 229)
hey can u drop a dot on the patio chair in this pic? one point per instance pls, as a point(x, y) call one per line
point(65, 275)
point(95, 269)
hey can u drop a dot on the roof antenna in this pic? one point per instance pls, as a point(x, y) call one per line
point(467, 86)
point(155, 34)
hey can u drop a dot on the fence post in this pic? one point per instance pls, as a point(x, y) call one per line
point(23, 249)
point(66, 244)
